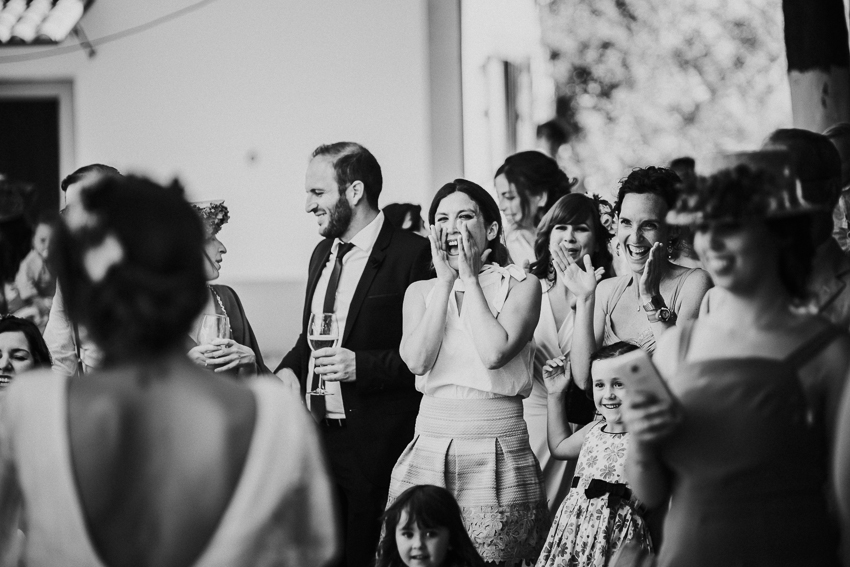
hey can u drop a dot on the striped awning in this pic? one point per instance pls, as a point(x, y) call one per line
point(39, 22)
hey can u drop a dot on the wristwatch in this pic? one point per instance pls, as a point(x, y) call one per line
point(656, 311)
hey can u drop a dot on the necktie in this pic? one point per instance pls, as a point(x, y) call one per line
point(317, 403)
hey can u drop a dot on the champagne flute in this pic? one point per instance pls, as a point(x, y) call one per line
point(213, 327)
point(322, 332)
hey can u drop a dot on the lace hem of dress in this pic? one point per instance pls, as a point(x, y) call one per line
point(508, 533)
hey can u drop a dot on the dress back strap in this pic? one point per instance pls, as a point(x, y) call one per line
point(813, 346)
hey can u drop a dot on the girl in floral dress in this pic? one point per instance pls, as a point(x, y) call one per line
point(599, 514)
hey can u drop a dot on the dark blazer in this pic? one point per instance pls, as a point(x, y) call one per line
point(382, 403)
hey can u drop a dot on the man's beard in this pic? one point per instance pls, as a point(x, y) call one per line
point(338, 219)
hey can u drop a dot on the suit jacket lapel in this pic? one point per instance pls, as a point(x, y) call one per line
point(323, 252)
point(379, 251)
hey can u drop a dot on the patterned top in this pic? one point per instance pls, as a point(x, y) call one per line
point(589, 527)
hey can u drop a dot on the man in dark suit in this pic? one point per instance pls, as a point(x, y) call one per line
point(360, 271)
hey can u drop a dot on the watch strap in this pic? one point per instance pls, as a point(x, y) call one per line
point(655, 303)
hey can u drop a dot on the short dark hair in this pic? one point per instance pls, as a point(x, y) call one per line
point(396, 214)
point(613, 350)
point(552, 132)
point(38, 348)
point(352, 162)
point(94, 168)
point(572, 209)
point(652, 180)
point(431, 507)
point(533, 173)
point(817, 163)
point(145, 301)
point(609, 351)
point(489, 210)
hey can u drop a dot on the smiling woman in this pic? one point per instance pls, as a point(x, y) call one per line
point(234, 349)
point(527, 185)
point(746, 446)
point(470, 419)
point(640, 306)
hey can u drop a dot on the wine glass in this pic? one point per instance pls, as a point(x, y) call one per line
point(213, 327)
point(322, 332)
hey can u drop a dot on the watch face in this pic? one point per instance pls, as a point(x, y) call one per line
point(663, 314)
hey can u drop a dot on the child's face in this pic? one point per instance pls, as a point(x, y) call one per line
point(41, 239)
point(607, 388)
point(420, 547)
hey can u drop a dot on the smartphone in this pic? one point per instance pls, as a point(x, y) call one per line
point(638, 374)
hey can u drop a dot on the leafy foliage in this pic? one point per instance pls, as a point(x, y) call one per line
point(647, 81)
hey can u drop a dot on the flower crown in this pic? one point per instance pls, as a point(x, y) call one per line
point(214, 214)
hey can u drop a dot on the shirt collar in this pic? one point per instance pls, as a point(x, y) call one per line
point(365, 239)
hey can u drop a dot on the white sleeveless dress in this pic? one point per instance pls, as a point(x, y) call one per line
point(472, 440)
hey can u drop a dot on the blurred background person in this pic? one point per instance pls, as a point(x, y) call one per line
point(71, 350)
point(527, 185)
point(817, 166)
point(839, 135)
point(551, 135)
point(682, 251)
point(238, 353)
point(35, 283)
point(215, 470)
point(15, 241)
point(743, 452)
point(21, 348)
point(573, 228)
point(406, 216)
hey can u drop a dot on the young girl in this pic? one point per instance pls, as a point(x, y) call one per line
point(599, 513)
point(424, 528)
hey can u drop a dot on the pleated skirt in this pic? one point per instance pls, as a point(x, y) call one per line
point(478, 450)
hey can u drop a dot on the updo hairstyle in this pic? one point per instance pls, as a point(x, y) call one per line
point(128, 258)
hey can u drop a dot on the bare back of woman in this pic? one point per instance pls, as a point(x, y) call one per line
point(157, 452)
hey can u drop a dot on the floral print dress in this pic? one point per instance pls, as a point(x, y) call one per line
point(599, 513)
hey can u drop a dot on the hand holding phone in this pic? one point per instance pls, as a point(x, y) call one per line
point(638, 374)
point(650, 411)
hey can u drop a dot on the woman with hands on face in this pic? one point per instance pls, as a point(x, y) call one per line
point(468, 338)
point(743, 454)
point(238, 354)
point(637, 307)
point(571, 229)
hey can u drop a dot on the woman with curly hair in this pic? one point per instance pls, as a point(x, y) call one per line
point(238, 353)
point(636, 307)
point(742, 451)
point(527, 185)
point(571, 229)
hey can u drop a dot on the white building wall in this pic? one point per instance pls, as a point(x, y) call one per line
point(494, 31)
point(234, 96)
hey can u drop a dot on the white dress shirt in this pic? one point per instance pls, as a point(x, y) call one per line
point(353, 264)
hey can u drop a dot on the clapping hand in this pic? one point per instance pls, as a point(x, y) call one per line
point(470, 259)
point(556, 374)
point(581, 282)
point(650, 280)
point(439, 255)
